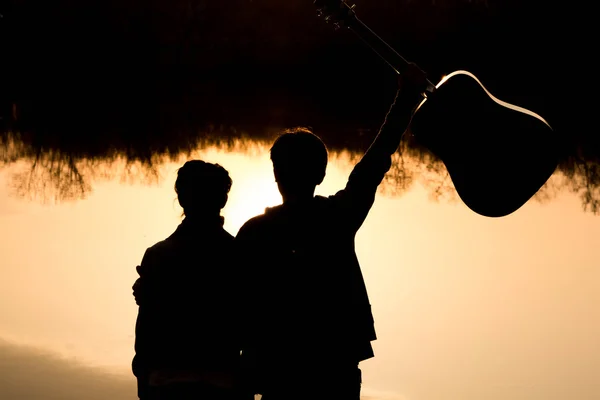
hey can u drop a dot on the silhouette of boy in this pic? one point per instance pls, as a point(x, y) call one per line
point(187, 331)
point(309, 320)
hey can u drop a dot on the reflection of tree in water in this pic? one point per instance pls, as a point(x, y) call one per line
point(413, 163)
point(583, 178)
point(579, 174)
point(55, 175)
point(155, 68)
point(50, 174)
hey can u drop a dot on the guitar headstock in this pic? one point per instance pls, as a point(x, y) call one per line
point(336, 11)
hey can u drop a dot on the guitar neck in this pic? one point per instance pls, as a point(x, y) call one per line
point(381, 48)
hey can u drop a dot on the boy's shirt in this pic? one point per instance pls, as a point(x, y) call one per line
point(188, 308)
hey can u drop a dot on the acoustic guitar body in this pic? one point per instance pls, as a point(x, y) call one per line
point(498, 155)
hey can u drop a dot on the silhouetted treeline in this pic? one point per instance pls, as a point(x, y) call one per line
point(92, 79)
point(117, 62)
point(52, 174)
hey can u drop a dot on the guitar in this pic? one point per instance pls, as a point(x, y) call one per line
point(498, 155)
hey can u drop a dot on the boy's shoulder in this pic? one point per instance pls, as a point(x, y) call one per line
point(276, 214)
point(260, 222)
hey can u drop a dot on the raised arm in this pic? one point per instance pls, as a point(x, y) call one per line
point(359, 194)
point(377, 159)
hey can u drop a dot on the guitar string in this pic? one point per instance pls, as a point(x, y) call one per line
point(380, 39)
point(431, 86)
point(375, 50)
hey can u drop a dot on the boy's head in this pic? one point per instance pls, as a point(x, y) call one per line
point(202, 188)
point(299, 162)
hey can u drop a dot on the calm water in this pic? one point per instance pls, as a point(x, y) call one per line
point(466, 307)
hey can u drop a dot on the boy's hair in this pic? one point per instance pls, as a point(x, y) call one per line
point(300, 154)
point(202, 186)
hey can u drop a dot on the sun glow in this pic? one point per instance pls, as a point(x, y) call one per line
point(253, 188)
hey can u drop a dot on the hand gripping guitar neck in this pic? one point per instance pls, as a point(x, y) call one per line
point(497, 154)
